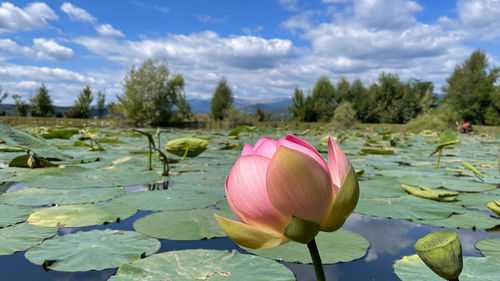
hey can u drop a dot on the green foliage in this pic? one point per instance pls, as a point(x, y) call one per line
point(471, 90)
point(101, 103)
point(221, 101)
point(237, 117)
point(22, 106)
point(183, 107)
point(41, 103)
point(149, 93)
point(297, 106)
point(81, 108)
point(344, 116)
point(323, 100)
point(444, 117)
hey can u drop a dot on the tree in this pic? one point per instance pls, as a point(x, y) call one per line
point(3, 95)
point(81, 108)
point(183, 107)
point(149, 93)
point(101, 103)
point(323, 100)
point(344, 116)
point(221, 101)
point(22, 106)
point(41, 103)
point(470, 88)
point(297, 105)
point(343, 92)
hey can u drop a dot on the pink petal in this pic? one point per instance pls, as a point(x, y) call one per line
point(265, 147)
point(298, 185)
point(337, 163)
point(247, 196)
point(247, 150)
point(304, 147)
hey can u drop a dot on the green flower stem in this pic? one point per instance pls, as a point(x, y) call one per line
point(318, 265)
point(439, 158)
point(150, 152)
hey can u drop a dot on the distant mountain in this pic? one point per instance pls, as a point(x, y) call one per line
point(275, 106)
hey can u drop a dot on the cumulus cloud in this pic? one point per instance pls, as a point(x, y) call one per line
point(205, 48)
point(77, 14)
point(43, 74)
point(34, 15)
point(108, 30)
point(42, 49)
point(298, 22)
point(480, 18)
point(290, 5)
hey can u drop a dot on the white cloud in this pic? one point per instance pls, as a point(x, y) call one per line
point(301, 22)
point(34, 15)
point(42, 49)
point(108, 30)
point(480, 18)
point(386, 14)
point(290, 5)
point(209, 19)
point(42, 74)
point(205, 48)
point(77, 14)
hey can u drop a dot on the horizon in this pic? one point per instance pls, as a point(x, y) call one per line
point(263, 48)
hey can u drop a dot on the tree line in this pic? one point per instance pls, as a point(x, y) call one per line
point(154, 96)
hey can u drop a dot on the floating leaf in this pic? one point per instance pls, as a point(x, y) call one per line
point(476, 200)
point(30, 161)
point(192, 147)
point(20, 237)
point(381, 187)
point(13, 214)
point(45, 196)
point(182, 225)
point(377, 151)
point(80, 215)
point(334, 247)
point(92, 250)
point(489, 248)
point(163, 200)
point(203, 265)
point(17, 138)
point(469, 219)
point(60, 134)
point(406, 207)
point(429, 193)
point(412, 268)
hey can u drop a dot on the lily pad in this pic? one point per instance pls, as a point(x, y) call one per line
point(80, 215)
point(381, 187)
point(203, 265)
point(20, 237)
point(406, 207)
point(92, 250)
point(182, 225)
point(163, 200)
point(469, 219)
point(45, 196)
point(334, 247)
point(476, 200)
point(13, 214)
point(412, 268)
point(448, 183)
point(490, 248)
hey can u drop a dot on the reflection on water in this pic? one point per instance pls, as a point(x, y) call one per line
point(389, 240)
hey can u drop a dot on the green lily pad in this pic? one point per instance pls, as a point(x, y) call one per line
point(381, 187)
point(80, 215)
point(169, 200)
point(78, 177)
point(45, 196)
point(334, 247)
point(59, 134)
point(429, 193)
point(92, 250)
point(406, 207)
point(476, 200)
point(203, 265)
point(448, 183)
point(469, 219)
point(20, 237)
point(412, 268)
point(489, 248)
point(182, 225)
point(13, 214)
point(17, 138)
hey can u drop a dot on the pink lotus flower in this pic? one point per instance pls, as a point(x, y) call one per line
point(284, 190)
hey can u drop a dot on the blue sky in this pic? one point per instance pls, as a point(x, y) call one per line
point(263, 47)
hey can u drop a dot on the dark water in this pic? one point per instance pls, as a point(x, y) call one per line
point(389, 240)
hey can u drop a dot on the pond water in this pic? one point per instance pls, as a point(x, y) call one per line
point(390, 239)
